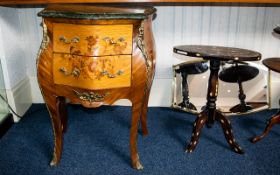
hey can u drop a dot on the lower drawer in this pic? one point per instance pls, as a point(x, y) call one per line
point(92, 72)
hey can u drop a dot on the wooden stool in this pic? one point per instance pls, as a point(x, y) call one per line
point(185, 70)
point(239, 74)
point(272, 64)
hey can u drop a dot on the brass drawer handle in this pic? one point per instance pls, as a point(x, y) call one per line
point(75, 72)
point(106, 73)
point(66, 41)
point(111, 41)
point(75, 39)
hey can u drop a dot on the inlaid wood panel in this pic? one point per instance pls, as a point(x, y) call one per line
point(92, 40)
point(92, 72)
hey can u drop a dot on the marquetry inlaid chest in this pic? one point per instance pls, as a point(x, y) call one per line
point(95, 56)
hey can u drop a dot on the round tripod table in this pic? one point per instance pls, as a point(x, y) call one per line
point(215, 54)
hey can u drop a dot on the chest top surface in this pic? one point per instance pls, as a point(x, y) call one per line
point(96, 12)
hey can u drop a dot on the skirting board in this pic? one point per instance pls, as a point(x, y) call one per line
point(19, 98)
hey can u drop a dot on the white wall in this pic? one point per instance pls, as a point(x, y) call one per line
point(237, 26)
point(244, 27)
point(13, 59)
point(12, 53)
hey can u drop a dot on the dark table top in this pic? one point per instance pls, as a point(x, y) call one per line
point(273, 64)
point(217, 52)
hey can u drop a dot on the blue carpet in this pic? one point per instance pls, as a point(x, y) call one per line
point(97, 142)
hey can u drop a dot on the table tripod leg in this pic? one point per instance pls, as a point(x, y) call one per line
point(198, 125)
point(272, 121)
point(227, 129)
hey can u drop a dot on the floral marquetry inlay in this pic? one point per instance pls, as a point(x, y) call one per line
point(92, 72)
point(90, 67)
point(91, 43)
point(94, 40)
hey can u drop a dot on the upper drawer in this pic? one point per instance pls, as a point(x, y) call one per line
point(92, 40)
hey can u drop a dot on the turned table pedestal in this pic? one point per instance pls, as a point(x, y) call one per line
point(94, 56)
point(215, 54)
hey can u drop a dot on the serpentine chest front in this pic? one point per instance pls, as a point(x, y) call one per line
point(95, 56)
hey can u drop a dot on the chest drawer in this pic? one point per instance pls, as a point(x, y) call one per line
point(92, 40)
point(92, 72)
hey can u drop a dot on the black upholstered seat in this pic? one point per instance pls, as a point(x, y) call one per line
point(239, 74)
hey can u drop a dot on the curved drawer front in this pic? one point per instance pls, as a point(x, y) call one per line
point(92, 72)
point(92, 40)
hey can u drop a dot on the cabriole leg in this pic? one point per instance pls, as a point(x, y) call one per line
point(272, 121)
point(197, 127)
point(61, 106)
point(227, 129)
point(136, 112)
